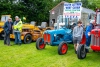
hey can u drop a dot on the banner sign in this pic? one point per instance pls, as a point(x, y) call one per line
point(72, 10)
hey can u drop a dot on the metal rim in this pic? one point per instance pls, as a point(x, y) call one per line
point(41, 44)
point(28, 39)
point(64, 48)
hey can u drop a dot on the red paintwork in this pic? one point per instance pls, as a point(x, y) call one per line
point(47, 38)
point(64, 48)
point(95, 47)
point(41, 45)
point(83, 41)
point(96, 33)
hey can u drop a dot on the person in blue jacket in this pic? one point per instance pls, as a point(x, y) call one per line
point(7, 31)
point(87, 33)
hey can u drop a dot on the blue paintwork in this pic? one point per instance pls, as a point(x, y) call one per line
point(57, 36)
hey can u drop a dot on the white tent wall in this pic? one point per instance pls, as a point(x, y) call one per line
point(85, 12)
point(84, 18)
point(85, 15)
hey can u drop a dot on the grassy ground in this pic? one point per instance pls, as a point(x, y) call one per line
point(27, 55)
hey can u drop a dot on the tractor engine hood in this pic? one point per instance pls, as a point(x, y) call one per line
point(1, 24)
point(59, 31)
point(56, 36)
point(95, 32)
point(28, 26)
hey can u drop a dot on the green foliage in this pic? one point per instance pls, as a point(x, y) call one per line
point(91, 4)
point(34, 10)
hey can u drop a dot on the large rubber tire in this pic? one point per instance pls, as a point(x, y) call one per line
point(81, 53)
point(27, 38)
point(40, 44)
point(62, 48)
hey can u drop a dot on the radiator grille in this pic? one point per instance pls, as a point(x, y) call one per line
point(95, 40)
point(47, 38)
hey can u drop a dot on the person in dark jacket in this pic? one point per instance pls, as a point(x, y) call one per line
point(87, 33)
point(7, 31)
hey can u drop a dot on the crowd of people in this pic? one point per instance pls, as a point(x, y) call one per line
point(12, 27)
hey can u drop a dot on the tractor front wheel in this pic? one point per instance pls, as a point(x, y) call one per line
point(81, 53)
point(62, 48)
point(40, 44)
point(28, 38)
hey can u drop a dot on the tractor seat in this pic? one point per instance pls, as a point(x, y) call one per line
point(33, 23)
point(43, 25)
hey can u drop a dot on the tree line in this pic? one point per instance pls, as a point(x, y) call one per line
point(34, 10)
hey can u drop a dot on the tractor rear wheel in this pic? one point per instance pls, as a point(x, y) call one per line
point(62, 48)
point(81, 53)
point(40, 44)
point(28, 38)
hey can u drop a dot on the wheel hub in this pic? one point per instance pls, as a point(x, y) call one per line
point(64, 48)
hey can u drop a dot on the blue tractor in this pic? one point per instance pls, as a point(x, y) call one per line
point(60, 37)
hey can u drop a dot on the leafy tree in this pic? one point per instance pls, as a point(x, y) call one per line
point(88, 4)
point(34, 10)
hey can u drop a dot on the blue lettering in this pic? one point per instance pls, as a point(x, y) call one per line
point(68, 7)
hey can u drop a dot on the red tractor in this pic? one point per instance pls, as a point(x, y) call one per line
point(95, 39)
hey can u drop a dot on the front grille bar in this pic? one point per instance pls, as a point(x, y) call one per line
point(95, 40)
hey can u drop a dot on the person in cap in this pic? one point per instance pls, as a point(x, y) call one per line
point(77, 35)
point(87, 33)
point(7, 31)
point(17, 30)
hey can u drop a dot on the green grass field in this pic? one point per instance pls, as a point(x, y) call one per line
point(27, 55)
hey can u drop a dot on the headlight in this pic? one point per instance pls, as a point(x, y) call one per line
point(55, 35)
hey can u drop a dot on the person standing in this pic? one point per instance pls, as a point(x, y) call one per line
point(17, 30)
point(87, 34)
point(77, 35)
point(7, 31)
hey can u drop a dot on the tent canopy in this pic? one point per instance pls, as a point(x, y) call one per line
point(89, 11)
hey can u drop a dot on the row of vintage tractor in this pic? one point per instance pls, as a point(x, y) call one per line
point(63, 36)
point(60, 36)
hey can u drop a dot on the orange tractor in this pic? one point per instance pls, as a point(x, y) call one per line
point(30, 32)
